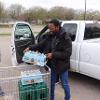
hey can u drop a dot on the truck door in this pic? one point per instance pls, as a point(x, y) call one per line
point(21, 38)
point(71, 29)
point(89, 63)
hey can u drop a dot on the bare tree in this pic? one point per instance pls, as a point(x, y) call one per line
point(61, 13)
point(90, 15)
point(36, 13)
point(18, 12)
point(15, 11)
point(1, 9)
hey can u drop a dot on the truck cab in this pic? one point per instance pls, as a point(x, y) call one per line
point(85, 36)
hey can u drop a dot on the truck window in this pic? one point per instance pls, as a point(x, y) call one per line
point(71, 29)
point(22, 31)
point(92, 31)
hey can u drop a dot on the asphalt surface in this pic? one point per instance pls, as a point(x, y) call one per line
point(82, 87)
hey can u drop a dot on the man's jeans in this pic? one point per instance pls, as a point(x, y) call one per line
point(64, 82)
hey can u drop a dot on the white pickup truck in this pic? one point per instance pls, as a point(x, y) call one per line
point(85, 58)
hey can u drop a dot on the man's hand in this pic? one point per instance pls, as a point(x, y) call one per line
point(27, 49)
point(49, 55)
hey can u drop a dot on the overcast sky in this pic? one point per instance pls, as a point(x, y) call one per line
point(76, 4)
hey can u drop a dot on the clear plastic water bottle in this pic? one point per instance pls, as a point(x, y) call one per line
point(35, 57)
point(43, 59)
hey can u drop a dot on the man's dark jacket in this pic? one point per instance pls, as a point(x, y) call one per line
point(60, 45)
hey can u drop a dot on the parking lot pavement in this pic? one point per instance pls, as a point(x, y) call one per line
point(2, 98)
point(59, 93)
